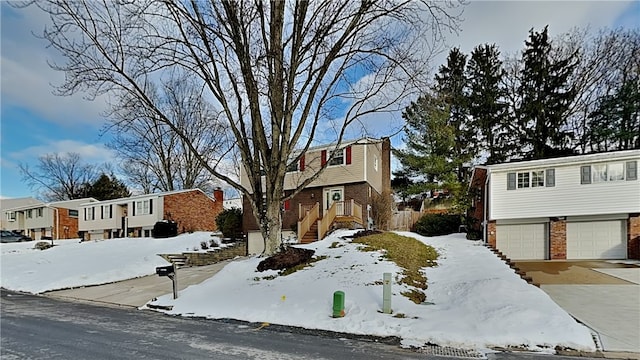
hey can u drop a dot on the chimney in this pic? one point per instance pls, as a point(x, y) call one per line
point(218, 194)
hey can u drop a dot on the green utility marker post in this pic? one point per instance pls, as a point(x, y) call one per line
point(338, 304)
point(386, 293)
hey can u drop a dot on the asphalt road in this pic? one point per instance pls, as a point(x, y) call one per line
point(38, 327)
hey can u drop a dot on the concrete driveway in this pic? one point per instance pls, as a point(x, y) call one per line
point(603, 295)
point(137, 292)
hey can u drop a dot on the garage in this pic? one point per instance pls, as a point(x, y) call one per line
point(522, 241)
point(604, 239)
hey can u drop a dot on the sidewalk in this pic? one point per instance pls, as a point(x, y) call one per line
point(137, 292)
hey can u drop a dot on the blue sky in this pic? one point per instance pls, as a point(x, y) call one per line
point(34, 122)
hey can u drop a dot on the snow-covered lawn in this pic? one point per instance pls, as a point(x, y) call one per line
point(473, 299)
point(72, 264)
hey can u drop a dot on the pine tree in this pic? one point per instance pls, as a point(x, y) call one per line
point(486, 101)
point(546, 97)
point(107, 187)
point(451, 87)
point(615, 124)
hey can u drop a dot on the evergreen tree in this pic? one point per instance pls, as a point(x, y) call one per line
point(486, 101)
point(106, 188)
point(615, 124)
point(451, 87)
point(546, 96)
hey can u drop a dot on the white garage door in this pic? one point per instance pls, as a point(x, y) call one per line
point(597, 240)
point(522, 242)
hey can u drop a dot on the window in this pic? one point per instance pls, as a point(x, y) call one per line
point(143, 207)
point(523, 180)
point(600, 173)
point(73, 213)
point(375, 162)
point(615, 172)
point(293, 167)
point(11, 216)
point(338, 158)
point(537, 178)
point(106, 211)
point(90, 213)
point(39, 212)
point(29, 214)
point(531, 179)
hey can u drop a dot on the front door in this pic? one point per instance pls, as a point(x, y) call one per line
point(332, 195)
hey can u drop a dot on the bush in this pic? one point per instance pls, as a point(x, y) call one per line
point(43, 245)
point(229, 222)
point(165, 229)
point(437, 224)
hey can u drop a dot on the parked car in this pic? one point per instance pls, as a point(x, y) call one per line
point(9, 236)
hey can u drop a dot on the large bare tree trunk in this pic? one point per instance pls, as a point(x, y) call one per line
point(277, 71)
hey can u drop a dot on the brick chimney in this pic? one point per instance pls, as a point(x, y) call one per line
point(218, 194)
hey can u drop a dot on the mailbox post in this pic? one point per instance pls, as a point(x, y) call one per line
point(171, 273)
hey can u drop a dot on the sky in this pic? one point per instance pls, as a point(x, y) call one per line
point(34, 122)
point(492, 306)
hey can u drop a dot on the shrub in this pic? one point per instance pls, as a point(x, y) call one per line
point(165, 229)
point(437, 224)
point(43, 245)
point(229, 222)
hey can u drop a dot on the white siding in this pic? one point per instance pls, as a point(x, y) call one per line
point(567, 198)
point(98, 223)
point(146, 220)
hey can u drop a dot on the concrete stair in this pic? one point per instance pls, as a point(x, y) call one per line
point(179, 261)
point(311, 235)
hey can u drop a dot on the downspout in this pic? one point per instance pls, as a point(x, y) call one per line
point(486, 206)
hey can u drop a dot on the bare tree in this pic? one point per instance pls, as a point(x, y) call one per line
point(60, 176)
point(276, 70)
point(153, 156)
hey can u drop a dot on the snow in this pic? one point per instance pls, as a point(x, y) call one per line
point(72, 263)
point(474, 301)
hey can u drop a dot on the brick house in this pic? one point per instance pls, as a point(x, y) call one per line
point(343, 193)
point(135, 216)
point(577, 207)
point(56, 220)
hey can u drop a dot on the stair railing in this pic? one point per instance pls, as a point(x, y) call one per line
point(310, 216)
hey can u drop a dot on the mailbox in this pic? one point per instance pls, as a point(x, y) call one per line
point(165, 270)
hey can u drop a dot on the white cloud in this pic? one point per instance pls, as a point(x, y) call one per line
point(27, 79)
point(91, 153)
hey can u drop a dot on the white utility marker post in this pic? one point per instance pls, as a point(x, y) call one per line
point(386, 293)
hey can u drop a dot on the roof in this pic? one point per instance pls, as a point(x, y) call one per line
point(360, 141)
point(146, 196)
point(568, 160)
point(56, 204)
point(10, 203)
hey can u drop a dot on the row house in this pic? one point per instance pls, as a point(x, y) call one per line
point(135, 216)
point(54, 220)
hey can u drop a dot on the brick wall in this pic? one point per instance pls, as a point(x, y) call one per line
point(65, 227)
point(558, 238)
point(358, 191)
point(192, 210)
point(633, 236)
point(491, 233)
